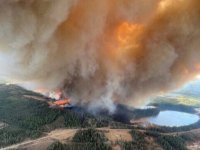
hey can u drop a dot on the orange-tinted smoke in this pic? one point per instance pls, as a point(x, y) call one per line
point(100, 52)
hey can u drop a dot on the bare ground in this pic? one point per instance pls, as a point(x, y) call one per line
point(43, 142)
point(194, 146)
point(66, 135)
point(113, 135)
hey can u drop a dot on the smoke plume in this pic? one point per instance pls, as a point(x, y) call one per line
point(98, 52)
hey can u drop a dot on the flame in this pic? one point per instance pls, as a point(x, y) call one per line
point(62, 102)
point(56, 95)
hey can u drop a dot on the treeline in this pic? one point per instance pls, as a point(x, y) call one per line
point(86, 120)
point(124, 114)
point(165, 129)
point(141, 113)
point(26, 114)
point(17, 110)
point(119, 125)
point(25, 119)
point(13, 135)
point(168, 142)
point(176, 107)
point(28, 118)
point(89, 139)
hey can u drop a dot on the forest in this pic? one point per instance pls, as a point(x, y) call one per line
point(28, 118)
point(168, 142)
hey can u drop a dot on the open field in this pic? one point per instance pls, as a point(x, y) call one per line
point(66, 135)
point(44, 142)
point(113, 135)
point(194, 146)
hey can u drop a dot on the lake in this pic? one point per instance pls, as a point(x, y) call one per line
point(173, 118)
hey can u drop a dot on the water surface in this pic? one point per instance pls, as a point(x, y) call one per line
point(173, 118)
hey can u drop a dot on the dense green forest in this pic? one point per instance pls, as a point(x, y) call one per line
point(28, 118)
point(168, 142)
point(24, 118)
point(132, 113)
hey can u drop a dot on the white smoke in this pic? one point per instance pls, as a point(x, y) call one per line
point(100, 52)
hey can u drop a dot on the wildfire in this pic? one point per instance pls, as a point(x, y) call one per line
point(62, 102)
point(56, 95)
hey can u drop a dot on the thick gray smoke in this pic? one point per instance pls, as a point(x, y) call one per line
point(99, 52)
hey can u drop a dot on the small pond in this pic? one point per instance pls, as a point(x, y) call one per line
point(173, 118)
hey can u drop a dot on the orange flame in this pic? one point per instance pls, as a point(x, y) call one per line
point(62, 102)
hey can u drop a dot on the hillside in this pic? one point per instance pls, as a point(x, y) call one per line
point(27, 122)
point(23, 118)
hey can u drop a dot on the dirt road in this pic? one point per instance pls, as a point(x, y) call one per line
point(66, 135)
point(44, 142)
